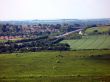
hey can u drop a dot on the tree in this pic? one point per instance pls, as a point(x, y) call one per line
point(109, 31)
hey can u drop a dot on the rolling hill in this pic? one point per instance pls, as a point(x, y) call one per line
point(55, 66)
point(92, 40)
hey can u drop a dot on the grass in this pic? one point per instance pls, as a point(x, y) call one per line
point(10, 40)
point(100, 29)
point(55, 66)
point(3, 40)
point(90, 42)
point(65, 66)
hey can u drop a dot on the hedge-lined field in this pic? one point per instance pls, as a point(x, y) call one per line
point(56, 66)
point(90, 42)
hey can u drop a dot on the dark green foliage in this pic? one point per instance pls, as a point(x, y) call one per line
point(33, 45)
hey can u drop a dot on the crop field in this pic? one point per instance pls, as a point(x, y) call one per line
point(56, 66)
point(90, 42)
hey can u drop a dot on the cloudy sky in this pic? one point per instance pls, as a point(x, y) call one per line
point(54, 9)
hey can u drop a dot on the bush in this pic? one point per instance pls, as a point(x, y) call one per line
point(57, 61)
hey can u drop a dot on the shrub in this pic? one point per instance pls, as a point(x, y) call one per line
point(57, 61)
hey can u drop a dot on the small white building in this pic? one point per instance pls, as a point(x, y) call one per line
point(80, 32)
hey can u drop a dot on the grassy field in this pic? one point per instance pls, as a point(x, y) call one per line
point(3, 40)
point(56, 66)
point(11, 40)
point(90, 42)
point(99, 29)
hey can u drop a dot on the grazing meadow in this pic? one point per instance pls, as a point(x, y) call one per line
point(56, 66)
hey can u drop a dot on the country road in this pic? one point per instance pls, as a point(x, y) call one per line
point(68, 33)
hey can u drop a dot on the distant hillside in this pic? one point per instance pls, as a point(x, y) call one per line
point(94, 38)
point(62, 21)
point(34, 28)
point(98, 30)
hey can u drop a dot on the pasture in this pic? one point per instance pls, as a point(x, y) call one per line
point(100, 29)
point(90, 42)
point(56, 66)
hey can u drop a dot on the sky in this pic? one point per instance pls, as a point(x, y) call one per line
point(54, 9)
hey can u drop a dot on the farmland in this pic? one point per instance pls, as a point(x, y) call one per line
point(90, 42)
point(85, 59)
point(100, 29)
point(2, 40)
point(56, 66)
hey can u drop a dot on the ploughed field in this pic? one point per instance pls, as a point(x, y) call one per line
point(90, 42)
point(56, 66)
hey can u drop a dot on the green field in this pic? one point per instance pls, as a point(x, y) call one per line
point(90, 42)
point(56, 66)
point(88, 61)
point(3, 40)
point(99, 29)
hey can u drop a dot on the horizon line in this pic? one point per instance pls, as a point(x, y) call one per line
point(53, 19)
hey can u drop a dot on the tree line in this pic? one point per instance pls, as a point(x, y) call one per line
point(33, 45)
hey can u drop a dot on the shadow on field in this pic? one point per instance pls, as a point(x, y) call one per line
point(100, 57)
point(60, 79)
